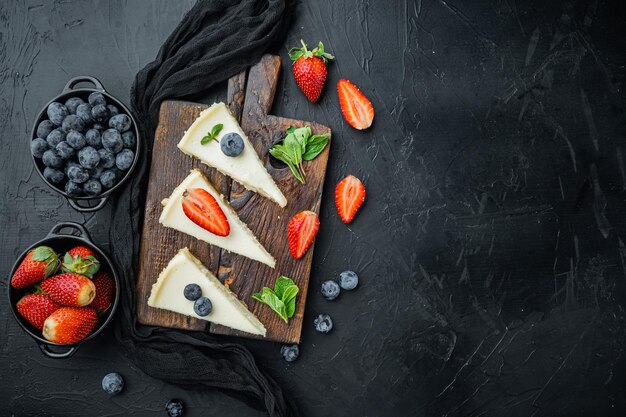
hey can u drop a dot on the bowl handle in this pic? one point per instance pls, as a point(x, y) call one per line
point(70, 225)
point(83, 78)
point(54, 355)
point(74, 204)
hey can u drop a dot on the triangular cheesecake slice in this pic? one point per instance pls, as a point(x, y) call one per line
point(240, 240)
point(246, 168)
point(184, 269)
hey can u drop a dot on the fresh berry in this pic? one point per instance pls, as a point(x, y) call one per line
point(112, 140)
point(44, 128)
point(55, 137)
point(108, 178)
point(100, 113)
point(38, 146)
point(36, 308)
point(80, 260)
point(290, 352)
point(73, 189)
point(113, 383)
point(348, 280)
point(92, 187)
point(73, 122)
point(93, 138)
point(202, 306)
point(82, 251)
point(84, 112)
point(76, 139)
point(95, 173)
point(57, 112)
point(65, 151)
point(231, 144)
point(96, 98)
point(323, 323)
point(105, 290)
point(78, 174)
point(330, 290)
point(124, 159)
point(192, 292)
point(356, 108)
point(53, 175)
point(202, 209)
point(301, 232)
point(129, 139)
point(120, 122)
point(349, 196)
point(72, 104)
point(70, 164)
point(98, 127)
point(89, 157)
point(174, 408)
point(69, 325)
point(51, 158)
point(107, 158)
point(70, 289)
point(113, 110)
point(309, 69)
point(39, 264)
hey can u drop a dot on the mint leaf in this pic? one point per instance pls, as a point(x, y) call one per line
point(212, 135)
point(281, 284)
point(315, 145)
point(282, 299)
point(216, 129)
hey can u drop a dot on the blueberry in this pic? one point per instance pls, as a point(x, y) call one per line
point(129, 139)
point(100, 113)
point(93, 138)
point(124, 159)
point(38, 146)
point(202, 306)
point(73, 189)
point(112, 140)
point(51, 158)
point(231, 144)
point(108, 178)
point(88, 157)
point(121, 122)
point(174, 408)
point(323, 323)
point(348, 280)
point(65, 151)
point(57, 112)
point(113, 383)
point(107, 158)
point(53, 175)
point(192, 292)
point(330, 290)
point(113, 111)
point(70, 164)
point(44, 128)
point(98, 127)
point(96, 172)
point(55, 137)
point(84, 112)
point(76, 140)
point(290, 352)
point(92, 187)
point(73, 122)
point(78, 174)
point(73, 103)
point(96, 98)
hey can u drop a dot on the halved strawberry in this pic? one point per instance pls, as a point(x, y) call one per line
point(356, 108)
point(39, 264)
point(70, 324)
point(105, 288)
point(80, 260)
point(70, 289)
point(301, 232)
point(202, 209)
point(349, 195)
point(36, 308)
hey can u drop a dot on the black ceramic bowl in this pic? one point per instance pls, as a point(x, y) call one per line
point(85, 203)
point(61, 242)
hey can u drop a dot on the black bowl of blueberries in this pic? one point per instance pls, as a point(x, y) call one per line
point(84, 144)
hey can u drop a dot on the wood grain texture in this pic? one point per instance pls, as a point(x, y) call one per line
point(266, 219)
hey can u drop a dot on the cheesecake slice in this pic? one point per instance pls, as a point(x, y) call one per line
point(240, 240)
point(246, 168)
point(184, 269)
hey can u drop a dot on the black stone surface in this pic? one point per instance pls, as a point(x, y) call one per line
point(490, 249)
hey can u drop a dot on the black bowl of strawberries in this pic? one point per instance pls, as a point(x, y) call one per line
point(63, 290)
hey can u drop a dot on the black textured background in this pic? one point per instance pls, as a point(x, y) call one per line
point(491, 246)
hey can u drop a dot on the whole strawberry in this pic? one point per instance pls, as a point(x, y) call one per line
point(36, 308)
point(80, 260)
point(69, 324)
point(39, 264)
point(309, 69)
point(70, 289)
point(105, 288)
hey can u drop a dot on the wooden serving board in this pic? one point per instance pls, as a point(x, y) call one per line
point(250, 96)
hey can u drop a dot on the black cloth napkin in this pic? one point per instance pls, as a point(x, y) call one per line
point(215, 40)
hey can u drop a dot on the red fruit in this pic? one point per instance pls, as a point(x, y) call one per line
point(80, 260)
point(349, 195)
point(105, 288)
point(69, 324)
point(202, 209)
point(309, 69)
point(36, 308)
point(39, 264)
point(82, 251)
point(356, 108)
point(301, 232)
point(70, 289)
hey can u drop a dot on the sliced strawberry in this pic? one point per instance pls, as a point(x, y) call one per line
point(36, 308)
point(301, 232)
point(70, 324)
point(105, 288)
point(356, 108)
point(202, 209)
point(70, 289)
point(349, 196)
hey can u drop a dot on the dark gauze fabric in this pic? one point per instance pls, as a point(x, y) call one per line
point(215, 40)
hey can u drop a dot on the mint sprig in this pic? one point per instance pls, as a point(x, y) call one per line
point(299, 145)
point(281, 299)
point(212, 135)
